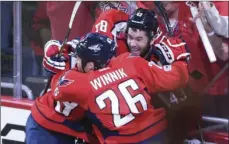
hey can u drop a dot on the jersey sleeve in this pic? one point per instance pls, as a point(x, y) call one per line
point(163, 78)
point(69, 86)
point(217, 16)
point(110, 22)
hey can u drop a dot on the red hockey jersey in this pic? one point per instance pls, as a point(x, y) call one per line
point(112, 23)
point(63, 117)
point(117, 97)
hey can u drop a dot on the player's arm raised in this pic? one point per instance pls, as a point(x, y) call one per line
point(173, 54)
point(110, 23)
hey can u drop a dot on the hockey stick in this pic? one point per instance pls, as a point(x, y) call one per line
point(75, 9)
point(163, 13)
point(215, 79)
point(202, 32)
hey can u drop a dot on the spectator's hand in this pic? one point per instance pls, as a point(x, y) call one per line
point(170, 50)
point(202, 16)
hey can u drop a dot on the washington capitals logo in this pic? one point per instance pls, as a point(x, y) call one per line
point(64, 82)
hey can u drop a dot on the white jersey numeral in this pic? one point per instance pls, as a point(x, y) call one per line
point(68, 107)
point(101, 26)
point(115, 105)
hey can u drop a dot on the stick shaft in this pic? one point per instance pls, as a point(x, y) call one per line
point(202, 32)
point(75, 9)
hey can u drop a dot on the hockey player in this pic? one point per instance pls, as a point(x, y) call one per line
point(113, 23)
point(57, 122)
point(116, 94)
point(56, 65)
point(142, 32)
point(45, 109)
point(135, 34)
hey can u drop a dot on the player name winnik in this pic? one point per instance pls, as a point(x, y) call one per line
point(108, 78)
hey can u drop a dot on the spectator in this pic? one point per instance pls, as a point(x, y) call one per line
point(39, 34)
point(201, 70)
point(6, 38)
point(51, 21)
point(216, 98)
point(7, 42)
point(59, 14)
point(178, 14)
point(217, 16)
point(6, 24)
point(215, 19)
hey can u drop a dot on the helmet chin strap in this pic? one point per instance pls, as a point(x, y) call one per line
point(83, 64)
point(148, 52)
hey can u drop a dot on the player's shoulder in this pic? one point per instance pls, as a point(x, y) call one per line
point(122, 56)
point(75, 80)
point(73, 74)
point(113, 14)
point(128, 58)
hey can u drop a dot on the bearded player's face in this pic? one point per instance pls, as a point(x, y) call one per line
point(137, 41)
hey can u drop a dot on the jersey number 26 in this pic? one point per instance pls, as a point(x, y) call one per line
point(130, 100)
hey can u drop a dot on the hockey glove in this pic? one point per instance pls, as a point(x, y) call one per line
point(170, 50)
point(53, 60)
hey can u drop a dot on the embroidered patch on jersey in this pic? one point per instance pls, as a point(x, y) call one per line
point(167, 67)
point(64, 82)
point(56, 91)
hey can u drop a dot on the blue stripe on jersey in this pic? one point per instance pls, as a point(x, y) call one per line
point(106, 132)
